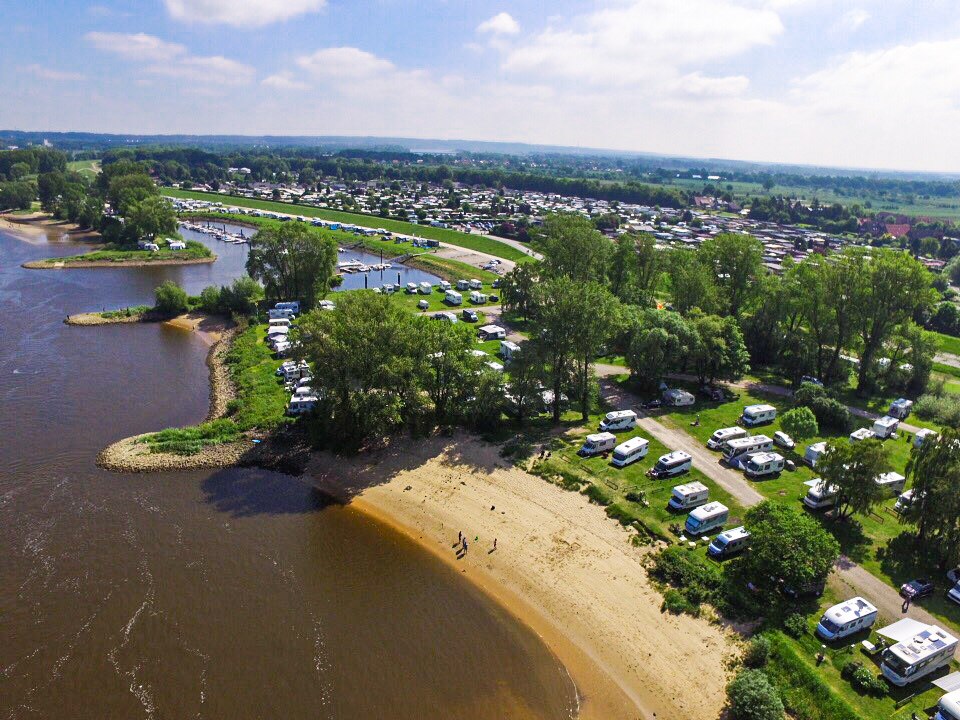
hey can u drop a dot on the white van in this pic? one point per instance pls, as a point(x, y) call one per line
point(688, 496)
point(425, 288)
point(629, 452)
point(444, 286)
point(846, 618)
point(301, 404)
point(279, 322)
point(729, 542)
point(293, 305)
point(754, 415)
point(948, 707)
point(678, 398)
point(463, 284)
point(707, 518)
point(892, 482)
point(597, 443)
point(723, 435)
point(275, 313)
point(411, 288)
point(904, 501)
point(741, 446)
point(814, 452)
point(885, 427)
point(476, 284)
point(452, 297)
point(820, 496)
point(900, 408)
point(619, 420)
point(921, 436)
point(671, 464)
point(763, 465)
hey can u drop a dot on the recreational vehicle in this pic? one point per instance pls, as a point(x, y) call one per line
point(820, 496)
point(885, 427)
point(763, 465)
point(447, 316)
point(444, 286)
point(292, 305)
point(629, 452)
point(814, 453)
point(948, 707)
point(862, 434)
point(754, 415)
point(279, 322)
point(741, 446)
point(678, 398)
point(672, 464)
point(492, 332)
point(920, 650)
point(301, 404)
point(463, 284)
point(274, 313)
point(729, 542)
point(326, 305)
point(452, 297)
point(892, 482)
point(425, 288)
point(904, 501)
point(597, 443)
point(846, 618)
point(724, 435)
point(475, 285)
point(509, 349)
point(688, 496)
point(477, 297)
point(411, 288)
point(922, 435)
point(707, 518)
point(900, 408)
point(619, 420)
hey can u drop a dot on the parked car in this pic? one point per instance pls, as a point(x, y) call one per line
point(916, 589)
point(493, 298)
point(470, 316)
point(783, 440)
point(652, 405)
point(713, 393)
point(811, 379)
point(953, 575)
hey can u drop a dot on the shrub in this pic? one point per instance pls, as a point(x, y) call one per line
point(698, 580)
point(831, 414)
point(795, 625)
point(751, 696)
point(620, 514)
point(171, 298)
point(800, 423)
point(944, 410)
point(675, 602)
point(863, 680)
point(758, 652)
point(596, 495)
point(210, 299)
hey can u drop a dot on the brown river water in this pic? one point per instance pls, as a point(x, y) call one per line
point(232, 594)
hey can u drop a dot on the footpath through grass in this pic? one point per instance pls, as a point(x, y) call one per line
point(478, 243)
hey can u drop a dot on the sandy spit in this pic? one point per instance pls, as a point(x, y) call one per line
point(560, 565)
point(41, 223)
point(92, 319)
point(46, 265)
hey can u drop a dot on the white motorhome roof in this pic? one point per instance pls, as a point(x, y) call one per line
point(886, 421)
point(755, 409)
point(734, 534)
point(818, 485)
point(889, 478)
point(761, 458)
point(817, 448)
point(723, 432)
point(689, 489)
point(924, 433)
point(916, 642)
point(862, 434)
point(631, 444)
point(711, 509)
point(951, 701)
point(676, 455)
point(619, 414)
point(748, 441)
point(489, 329)
point(600, 437)
point(849, 610)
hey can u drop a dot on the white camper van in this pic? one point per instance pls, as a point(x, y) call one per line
point(463, 284)
point(846, 618)
point(671, 464)
point(724, 435)
point(948, 707)
point(452, 297)
point(922, 434)
point(301, 404)
point(763, 465)
point(425, 288)
point(477, 297)
point(292, 305)
point(688, 496)
point(729, 542)
point(904, 501)
point(678, 398)
point(597, 443)
point(862, 434)
point(741, 446)
point(275, 313)
point(820, 496)
point(920, 650)
point(892, 482)
point(900, 408)
point(630, 451)
point(754, 415)
point(618, 420)
point(476, 284)
point(707, 518)
point(885, 427)
point(814, 452)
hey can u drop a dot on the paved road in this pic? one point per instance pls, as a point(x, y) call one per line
point(518, 245)
point(947, 359)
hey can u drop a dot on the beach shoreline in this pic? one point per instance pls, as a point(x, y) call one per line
point(57, 264)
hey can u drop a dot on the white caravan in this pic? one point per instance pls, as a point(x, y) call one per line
point(752, 444)
point(707, 518)
point(885, 427)
point(671, 464)
point(292, 305)
point(476, 284)
point(630, 451)
point(948, 707)
point(922, 434)
point(678, 398)
point(862, 434)
point(892, 482)
point(597, 443)
point(849, 617)
point(425, 288)
point(820, 496)
point(900, 408)
point(763, 465)
point(688, 496)
point(723, 435)
point(729, 542)
point(754, 415)
point(814, 452)
point(452, 297)
point(920, 650)
point(463, 284)
point(301, 404)
point(619, 420)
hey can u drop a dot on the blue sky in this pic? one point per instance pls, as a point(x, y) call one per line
point(861, 83)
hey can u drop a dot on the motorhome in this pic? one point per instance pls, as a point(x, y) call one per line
point(814, 452)
point(922, 435)
point(618, 420)
point(892, 482)
point(446, 316)
point(900, 408)
point(707, 518)
point(729, 542)
point(491, 332)
point(688, 496)
point(463, 284)
point(629, 452)
point(302, 404)
point(763, 465)
point(904, 501)
point(920, 649)
point(742, 446)
point(509, 349)
point(425, 288)
point(754, 415)
point(452, 297)
point(724, 435)
point(678, 398)
point(885, 427)
point(846, 618)
point(862, 434)
point(444, 286)
point(274, 313)
point(477, 297)
point(279, 322)
point(597, 443)
point(292, 305)
point(820, 496)
point(327, 305)
point(948, 707)
point(411, 288)
point(476, 284)
point(671, 464)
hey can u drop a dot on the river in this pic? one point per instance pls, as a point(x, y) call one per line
point(232, 594)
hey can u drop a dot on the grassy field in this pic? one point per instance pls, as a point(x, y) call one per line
point(195, 251)
point(88, 168)
point(453, 237)
point(947, 343)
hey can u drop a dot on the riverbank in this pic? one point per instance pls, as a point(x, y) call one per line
point(561, 565)
point(41, 224)
point(64, 263)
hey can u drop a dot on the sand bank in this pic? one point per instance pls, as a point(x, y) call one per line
point(560, 565)
point(42, 224)
point(54, 264)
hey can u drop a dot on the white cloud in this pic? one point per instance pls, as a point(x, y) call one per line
point(214, 70)
point(500, 24)
point(853, 19)
point(284, 81)
point(240, 13)
point(45, 73)
point(344, 63)
point(135, 46)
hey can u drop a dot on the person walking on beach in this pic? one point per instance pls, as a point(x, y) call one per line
point(464, 546)
point(459, 536)
point(494, 543)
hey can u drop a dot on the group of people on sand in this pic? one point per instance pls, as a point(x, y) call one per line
point(462, 545)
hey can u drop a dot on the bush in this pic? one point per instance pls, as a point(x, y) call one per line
point(944, 410)
point(795, 625)
point(698, 580)
point(803, 691)
point(831, 414)
point(800, 423)
point(675, 602)
point(171, 298)
point(758, 652)
point(596, 495)
point(863, 680)
point(620, 514)
point(210, 299)
point(751, 696)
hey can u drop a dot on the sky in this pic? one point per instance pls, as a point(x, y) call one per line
point(839, 83)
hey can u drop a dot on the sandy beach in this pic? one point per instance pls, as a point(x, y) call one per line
point(560, 565)
point(40, 224)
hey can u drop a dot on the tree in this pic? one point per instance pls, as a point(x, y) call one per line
point(450, 367)
point(660, 345)
point(293, 262)
point(799, 423)
point(718, 351)
point(789, 545)
point(130, 188)
point(736, 263)
point(934, 472)
point(171, 299)
point(150, 217)
point(853, 468)
point(16, 195)
point(751, 696)
point(241, 296)
point(573, 248)
point(692, 285)
point(517, 292)
point(525, 384)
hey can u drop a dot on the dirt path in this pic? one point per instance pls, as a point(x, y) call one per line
point(849, 576)
point(947, 359)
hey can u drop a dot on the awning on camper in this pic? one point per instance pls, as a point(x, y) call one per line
point(949, 683)
point(905, 629)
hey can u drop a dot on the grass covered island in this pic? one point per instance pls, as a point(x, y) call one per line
point(112, 255)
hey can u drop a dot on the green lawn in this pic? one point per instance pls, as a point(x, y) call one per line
point(453, 237)
point(88, 168)
point(947, 343)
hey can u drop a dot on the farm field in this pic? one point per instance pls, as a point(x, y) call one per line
point(88, 168)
